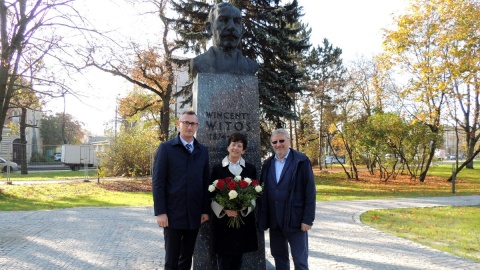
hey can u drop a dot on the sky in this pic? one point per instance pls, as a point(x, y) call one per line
point(352, 25)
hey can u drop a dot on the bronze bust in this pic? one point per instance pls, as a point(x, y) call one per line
point(225, 25)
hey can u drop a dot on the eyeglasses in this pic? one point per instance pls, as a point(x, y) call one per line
point(188, 124)
point(279, 141)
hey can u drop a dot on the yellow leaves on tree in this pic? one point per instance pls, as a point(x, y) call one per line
point(151, 68)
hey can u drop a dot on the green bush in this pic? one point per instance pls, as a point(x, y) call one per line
point(37, 157)
point(131, 154)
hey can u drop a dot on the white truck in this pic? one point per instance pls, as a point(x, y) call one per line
point(440, 154)
point(78, 156)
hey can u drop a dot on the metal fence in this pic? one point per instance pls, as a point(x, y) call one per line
point(33, 156)
point(48, 158)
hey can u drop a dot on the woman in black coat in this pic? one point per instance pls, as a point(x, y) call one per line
point(230, 243)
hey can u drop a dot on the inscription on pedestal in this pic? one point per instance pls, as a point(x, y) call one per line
point(224, 104)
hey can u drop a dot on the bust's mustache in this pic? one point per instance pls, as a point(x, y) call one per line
point(229, 34)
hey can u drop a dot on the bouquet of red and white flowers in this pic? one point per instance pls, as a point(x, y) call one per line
point(236, 194)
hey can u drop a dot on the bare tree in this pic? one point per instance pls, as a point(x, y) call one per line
point(34, 32)
point(151, 68)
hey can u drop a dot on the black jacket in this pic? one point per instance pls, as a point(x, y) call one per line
point(228, 240)
point(180, 183)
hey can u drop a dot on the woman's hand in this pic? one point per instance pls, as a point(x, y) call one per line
point(231, 213)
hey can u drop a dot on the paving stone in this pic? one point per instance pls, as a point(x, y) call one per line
point(128, 238)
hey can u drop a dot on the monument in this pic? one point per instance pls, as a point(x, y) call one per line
point(226, 100)
point(224, 57)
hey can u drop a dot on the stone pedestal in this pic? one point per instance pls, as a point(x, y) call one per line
point(225, 104)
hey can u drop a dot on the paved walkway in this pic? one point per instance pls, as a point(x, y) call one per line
point(128, 238)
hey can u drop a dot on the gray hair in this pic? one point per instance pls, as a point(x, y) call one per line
point(281, 131)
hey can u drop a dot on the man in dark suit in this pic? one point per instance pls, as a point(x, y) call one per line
point(287, 206)
point(180, 192)
point(225, 25)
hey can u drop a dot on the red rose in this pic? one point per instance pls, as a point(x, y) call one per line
point(232, 185)
point(255, 183)
point(243, 184)
point(220, 184)
point(228, 180)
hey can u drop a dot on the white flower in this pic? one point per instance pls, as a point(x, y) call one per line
point(215, 182)
point(248, 180)
point(258, 189)
point(237, 178)
point(232, 194)
point(211, 188)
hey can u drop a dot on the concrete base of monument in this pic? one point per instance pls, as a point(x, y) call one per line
point(205, 259)
point(225, 104)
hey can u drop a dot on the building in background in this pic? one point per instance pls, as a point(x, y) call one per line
point(11, 143)
point(449, 148)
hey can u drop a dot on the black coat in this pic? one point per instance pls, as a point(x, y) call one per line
point(180, 184)
point(228, 240)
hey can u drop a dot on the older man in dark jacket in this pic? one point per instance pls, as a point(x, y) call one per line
point(287, 206)
point(180, 192)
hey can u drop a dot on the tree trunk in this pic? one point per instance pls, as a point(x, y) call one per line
point(469, 160)
point(165, 111)
point(23, 141)
point(320, 136)
point(471, 151)
point(423, 175)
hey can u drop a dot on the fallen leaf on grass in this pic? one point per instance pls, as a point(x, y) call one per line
point(127, 186)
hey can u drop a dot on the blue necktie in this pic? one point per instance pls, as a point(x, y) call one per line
point(189, 147)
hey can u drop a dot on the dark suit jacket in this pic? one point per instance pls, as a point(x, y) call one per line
point(180, 183)
point(300, 206)
point(216, 61)
point(228, 240)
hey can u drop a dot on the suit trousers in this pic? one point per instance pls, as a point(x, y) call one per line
point(179, 247)
point(298, 241)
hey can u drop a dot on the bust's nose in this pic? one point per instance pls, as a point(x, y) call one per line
point(230, 24)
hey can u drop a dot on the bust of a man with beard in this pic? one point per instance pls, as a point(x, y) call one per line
point(225, 25)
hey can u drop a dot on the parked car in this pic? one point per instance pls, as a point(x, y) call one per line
point(5, 164)
point(399, 159)
point(452, 157)
point(334, 160)
point(57, 156)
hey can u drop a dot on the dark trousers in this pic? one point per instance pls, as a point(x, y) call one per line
point(298, 241)
point(229, 262)
point(179, 246)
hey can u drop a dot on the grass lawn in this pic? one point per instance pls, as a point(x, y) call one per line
point(78, 194)
point(49, 175)
point(451, 229)
point(335, 186)
point(330, 186)
point(454, 230)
